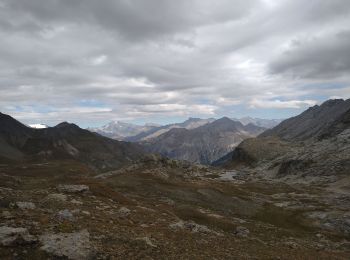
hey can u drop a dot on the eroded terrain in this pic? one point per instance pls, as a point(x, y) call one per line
point(162, 209)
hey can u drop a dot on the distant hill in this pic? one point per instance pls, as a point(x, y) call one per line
point(64, 141)
point(203, 144)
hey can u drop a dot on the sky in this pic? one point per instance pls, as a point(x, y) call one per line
point(90, 62)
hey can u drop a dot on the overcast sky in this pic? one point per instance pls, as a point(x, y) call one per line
point(89, 61)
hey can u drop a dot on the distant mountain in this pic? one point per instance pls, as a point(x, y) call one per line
point(190, 123)
point(64, 141)
point(314, 144)
point(266, 123)
point(203, 144)
point(120, 130)
point(38, 126)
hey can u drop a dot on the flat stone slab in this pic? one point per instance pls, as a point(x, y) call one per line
point(71, 245)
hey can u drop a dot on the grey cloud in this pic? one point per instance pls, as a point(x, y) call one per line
point(133, 19)
point(163, 55)
point(320, 57)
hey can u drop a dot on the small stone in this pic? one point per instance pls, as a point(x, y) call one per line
point(57, 197)
point(77, 202)
point(291, 244)
point(87, 213)
point(123, 211)
point(241, 231)
point(25, 205)
point(65, 215)
point(147, 241)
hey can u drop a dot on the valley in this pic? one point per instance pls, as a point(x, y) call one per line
point(68, 193)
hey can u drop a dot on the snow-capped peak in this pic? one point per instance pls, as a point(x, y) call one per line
point(38, 126)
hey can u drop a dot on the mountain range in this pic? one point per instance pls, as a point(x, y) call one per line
point(138, 133)
point(64, 141)
point(120, 130)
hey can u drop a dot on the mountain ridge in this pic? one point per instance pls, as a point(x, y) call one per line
point(63, 141)
point(203, 144)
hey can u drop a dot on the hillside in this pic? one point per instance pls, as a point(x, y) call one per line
point(314, 145)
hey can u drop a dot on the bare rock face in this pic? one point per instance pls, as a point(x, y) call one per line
point(311, 123)
point(72, 188)
point(10, 236)
point(71, 245)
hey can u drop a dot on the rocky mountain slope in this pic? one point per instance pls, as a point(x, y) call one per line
point(204, 144)
point(310, 123)
point(64, 141)
point(120, 130)
point(314, 145)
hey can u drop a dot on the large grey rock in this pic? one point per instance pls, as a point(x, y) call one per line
point(71, 245)
point(10, 236)
point(241, 231)
point(192, 227)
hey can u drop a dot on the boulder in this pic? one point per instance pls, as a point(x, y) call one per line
point(64, 215)
point(72, 188)
point(10, 236)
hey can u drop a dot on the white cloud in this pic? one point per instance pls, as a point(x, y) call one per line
point(255, 103)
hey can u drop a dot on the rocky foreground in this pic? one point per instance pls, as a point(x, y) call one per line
point(163, 209)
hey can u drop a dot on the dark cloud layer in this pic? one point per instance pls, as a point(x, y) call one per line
point(100, 60)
